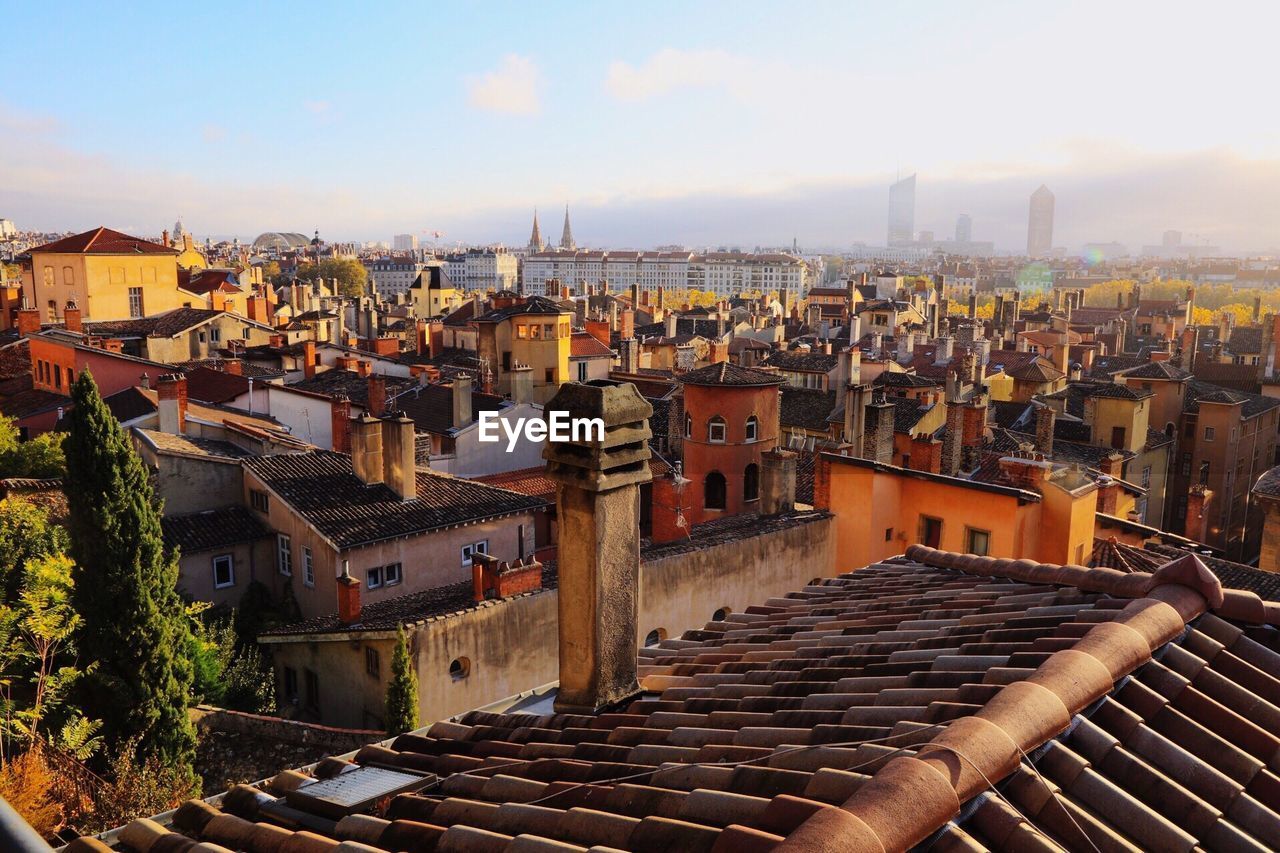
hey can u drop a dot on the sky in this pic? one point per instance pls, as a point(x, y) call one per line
point(736, 123)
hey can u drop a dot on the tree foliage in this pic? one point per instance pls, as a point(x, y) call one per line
point(25, 536)
point(40, 457)
point(134, 626)
point(402, 692)
point(351, 274)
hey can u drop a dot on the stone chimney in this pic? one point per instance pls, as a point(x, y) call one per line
point(1026, 471)
point(597, 503)
point(669, 322)
point(629, 355)
point(944, 349)
point(72, 318)
point(462, 414)
point(953, 438)
point(340, 423)
point(171, 389)
point(521, 376)
point(1045, 420)
point(348, 596)
point(366, 449)
point(626, 324)
point(777, 481)
point(878, 440)
point(399, 455)
point(855, 415)
point(377, 405)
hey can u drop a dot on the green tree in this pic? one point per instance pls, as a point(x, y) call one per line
point(402, 692)
point(40, 457)
point(25, 536)
point(134, 626)
point(351, 274)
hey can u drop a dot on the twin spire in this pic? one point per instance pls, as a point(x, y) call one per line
point(567, 243)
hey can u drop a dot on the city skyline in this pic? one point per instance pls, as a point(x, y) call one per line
point(693, 139)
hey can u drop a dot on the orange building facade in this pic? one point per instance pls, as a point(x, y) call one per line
point(731, 419)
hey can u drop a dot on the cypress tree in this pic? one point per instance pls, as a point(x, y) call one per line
point(134, 631)
point(402, 692)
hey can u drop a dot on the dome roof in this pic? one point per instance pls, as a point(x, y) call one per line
point(280, 241)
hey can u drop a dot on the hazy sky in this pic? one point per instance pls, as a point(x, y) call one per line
point(732, 122)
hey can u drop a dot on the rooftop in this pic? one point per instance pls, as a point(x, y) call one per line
point(215, 528)
point(1013, 705)
point(105, 241)
point(725, 373)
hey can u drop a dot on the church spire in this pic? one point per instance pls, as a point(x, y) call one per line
point(535, 239)
point(566, 238)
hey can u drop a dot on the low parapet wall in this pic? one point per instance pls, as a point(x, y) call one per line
point(328, 738)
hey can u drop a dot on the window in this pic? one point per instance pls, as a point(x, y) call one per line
point(688, 425)
point(549, 375)
point(751, 482)
point(535, 331)
point(68, 275)
point(48, 276)
point(930, 531)
point(715, 430)
point(135, 302)
point(520, 541)
point(284, 555)
point(977, 541)
point(1186, 464)
point(522, 332)
point(753, 428)
point(481, 547)
point(460, 668)
point(391, 574)
point(313, 689)
point(1117, 437)
point(371, 663)
point(720, 615)
point(373, 577)
point(713, 491)
point(549, 330)
point(258, 500)
point(291, 684)
point(224, 572)
point(1204, 473)
point(657, 635)
point(582, 371)
point(888, 534)
point(215, 335)
point(1208, 433)
point(308, 567)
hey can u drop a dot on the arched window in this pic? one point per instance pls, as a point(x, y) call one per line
point(751, 483)
point(688, 425)
point(460, 669)
point(657, 635)
point(720, 615)
point(715, 430)
point(753, 428)
point(713, 491)
point(1168, 429)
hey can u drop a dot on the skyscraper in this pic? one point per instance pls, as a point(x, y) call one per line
point(1040, 223)
point(902, 211)
point(964, 228)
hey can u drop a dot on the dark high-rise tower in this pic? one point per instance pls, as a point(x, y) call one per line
point(902, 211)
point(1040, 223)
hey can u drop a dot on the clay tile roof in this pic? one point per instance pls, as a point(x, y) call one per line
point(1036, 371)
point(1268, 483)
point(105, 241)
point(215, 386)
point(812, 362)
point(1117, 391)
point(725, 373)
point(1156, 370)
point(583, 345)
point(807, 408)
point(874, 710)
point(322, 488)
point(903, 380)
point(212, 529)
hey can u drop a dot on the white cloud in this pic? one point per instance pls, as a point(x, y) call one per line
point(510, 88)
point(670, 69)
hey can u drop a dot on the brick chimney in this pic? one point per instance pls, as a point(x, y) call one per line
point(309, 359)
point(399, 469)
point(493, 579)
point(597, 503)
point(28, 321)
point(1046, 418)
point(1108, 495)
point(366, 449)
point(462, 413)
point(171, 388)
point(340, 423)
point(821, 482)
point(1197, 518)
point(377, 395)
point(1026, 471)
point(627, 324)
point(777, 481)
point(72, 318)
point(348, 596)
